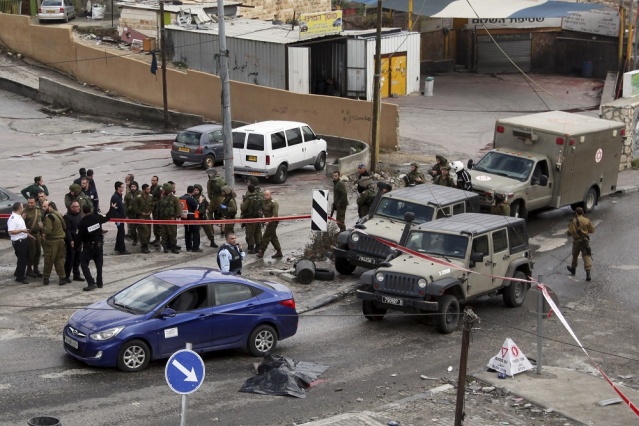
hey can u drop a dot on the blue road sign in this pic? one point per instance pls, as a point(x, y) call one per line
point(184, 371)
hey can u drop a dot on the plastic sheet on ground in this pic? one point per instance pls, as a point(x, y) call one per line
point(280, 375)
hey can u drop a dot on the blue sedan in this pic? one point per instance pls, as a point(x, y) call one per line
point(159, 314)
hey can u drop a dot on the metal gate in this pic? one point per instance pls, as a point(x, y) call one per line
point(490, 59)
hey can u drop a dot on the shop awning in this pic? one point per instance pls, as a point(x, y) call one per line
point(487, 9)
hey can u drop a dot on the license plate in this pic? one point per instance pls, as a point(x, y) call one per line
point(69, 341)
point(367, 259)
point(252, 158)
point(51, 11)
point(392, 300)
point(183, 149)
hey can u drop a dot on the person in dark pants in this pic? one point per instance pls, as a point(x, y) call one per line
point(191, 232)
point(72, 259)
point(92, 239)
point(117, 212)
point(19, 233)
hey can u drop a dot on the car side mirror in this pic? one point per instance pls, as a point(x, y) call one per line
point(167, 312)
point(470, 164)
point(543, 180)
point(477, 257)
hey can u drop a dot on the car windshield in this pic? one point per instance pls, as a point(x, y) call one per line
point(143, 296)
point(395, 209)
point(435, 243)
point(189, 137)
point(505, 165)
point(51, 3)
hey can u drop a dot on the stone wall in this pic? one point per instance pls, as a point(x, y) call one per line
point(625, 110)
point(281, 9)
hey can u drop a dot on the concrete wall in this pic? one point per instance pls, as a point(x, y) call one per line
point(625, 110)
point(350, 154)
point(193, 92)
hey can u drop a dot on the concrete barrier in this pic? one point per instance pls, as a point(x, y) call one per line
point(349, 152)
point(18, 88)
point(59, 94)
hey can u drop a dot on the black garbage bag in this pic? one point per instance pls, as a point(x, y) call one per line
point(280, 375)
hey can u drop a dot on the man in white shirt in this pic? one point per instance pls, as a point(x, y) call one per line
point(18, 232)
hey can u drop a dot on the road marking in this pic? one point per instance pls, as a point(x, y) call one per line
point(67, 373)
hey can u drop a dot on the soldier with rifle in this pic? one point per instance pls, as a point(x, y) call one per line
point(580, 228)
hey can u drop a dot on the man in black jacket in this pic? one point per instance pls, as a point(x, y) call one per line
point(189, 208)
point(117, 212)
point(91, 237)
point(72, 259)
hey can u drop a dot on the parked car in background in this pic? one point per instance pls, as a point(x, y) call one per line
point(159, 314)
point(7, 199)
point(56, 10)
point(202, 144)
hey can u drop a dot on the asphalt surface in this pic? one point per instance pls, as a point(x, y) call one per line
point(463, 110)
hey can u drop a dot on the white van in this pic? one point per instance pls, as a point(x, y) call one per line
point(272, 148)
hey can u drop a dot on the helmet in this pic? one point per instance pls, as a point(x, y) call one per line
point(211, 172)
point(415, 164)
point(199, 187)
point(167, 187)
point(458, 166)
point(253, 180)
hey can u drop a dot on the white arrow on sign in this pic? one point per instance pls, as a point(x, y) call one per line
point(190, 375)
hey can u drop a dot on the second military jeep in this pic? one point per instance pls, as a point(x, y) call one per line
point(361, 247)
point(474, 249)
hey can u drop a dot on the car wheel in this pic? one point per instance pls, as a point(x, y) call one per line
point(134, 355)
point(518, 209)
point(515, 293)
point(372, 312)
point(324, 274)
point(320, 162)
point(590, 201)
point(281, 174)
point(448, 318)
point(262, 340)
point(66, 17)
point(343, 266)
point(178, 163)
point(209, 162)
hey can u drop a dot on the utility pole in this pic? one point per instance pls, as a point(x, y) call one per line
point(223, 57)
point(410, 15)
point(377, 102)
point(469, 318)
point(163, 52)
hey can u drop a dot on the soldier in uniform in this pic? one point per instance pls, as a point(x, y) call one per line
point(228, 208)
point(414, 177)
point(203, 209)
point(143, 207)
point(440, 161)
point(365, 200)
point(156, 193)
point(363, 178)
point(214, 190)
point(131, 195)
point(500, 206)
point(580, 228)
point(53, 233)
point(169, 209)
point(90, 193)
point(251, 208)
point(444, 179)
point(32, 190)
point(33, 220)
point(230, 255)
point(42, 197)
point(75, 194)
point(270, 208)
point(340, 201)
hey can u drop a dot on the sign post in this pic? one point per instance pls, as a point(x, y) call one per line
point(184, 374)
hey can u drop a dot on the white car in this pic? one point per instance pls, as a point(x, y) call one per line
point(58, 10)
point(273, 148)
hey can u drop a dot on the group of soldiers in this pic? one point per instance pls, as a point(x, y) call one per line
point(62, 239)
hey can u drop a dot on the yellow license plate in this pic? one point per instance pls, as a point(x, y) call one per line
point(252, 158)
point(183, 149)
point(51, 11)
point(255, 173)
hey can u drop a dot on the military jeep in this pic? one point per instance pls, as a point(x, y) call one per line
point(360, 246)
point(489, 246)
